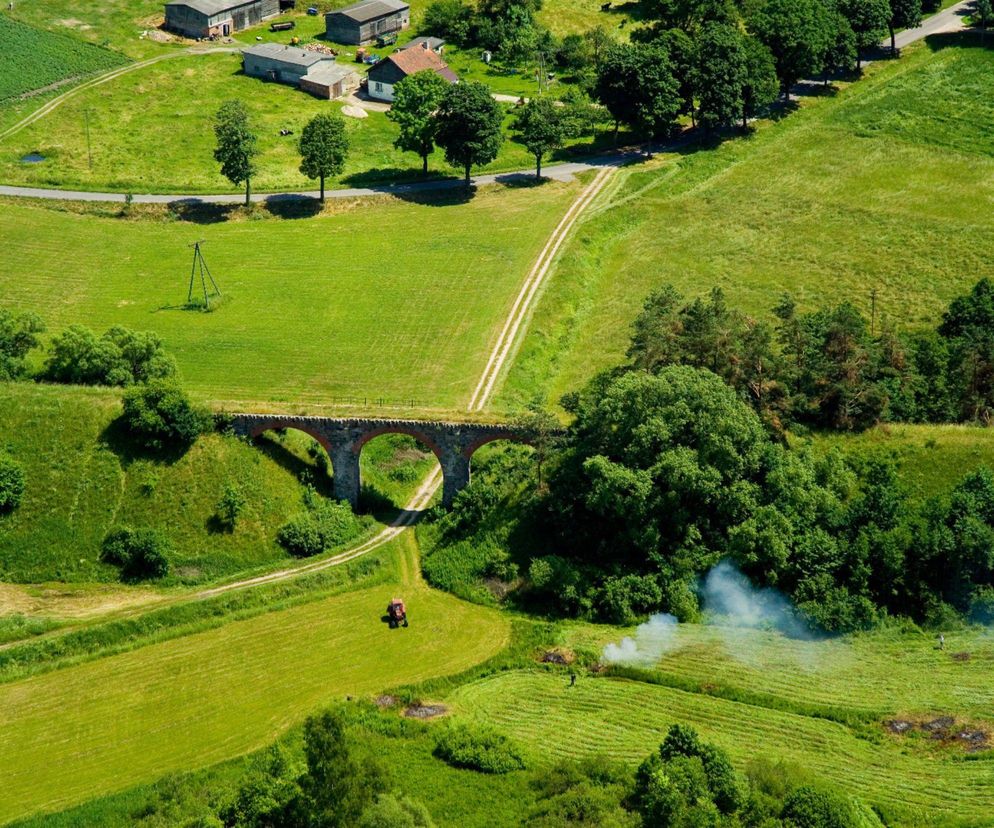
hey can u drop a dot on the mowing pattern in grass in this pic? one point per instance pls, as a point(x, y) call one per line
point(107, 725)
point(810, 205)
point(626, 720)
point(33, 59)
point(886, 673)
point(391, 300)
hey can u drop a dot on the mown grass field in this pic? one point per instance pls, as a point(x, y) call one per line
point(110, 724)
point(887, 186)
point(151, 131)
point(383, 300)
point(32, 59)
point(622, 718)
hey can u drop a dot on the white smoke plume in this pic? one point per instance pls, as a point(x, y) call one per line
point(652, 641)
point(727, 592)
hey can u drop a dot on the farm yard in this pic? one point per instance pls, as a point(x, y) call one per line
point(195, 693)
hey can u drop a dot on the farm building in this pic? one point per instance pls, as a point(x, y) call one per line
point(363, 22)
point(313, 72)
point(217, 18)
point(399, 65)
point(436, 44)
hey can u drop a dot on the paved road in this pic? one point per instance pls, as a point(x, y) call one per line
point(948, 20)
point(559, 172)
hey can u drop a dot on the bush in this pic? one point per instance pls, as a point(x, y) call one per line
point(230, 506)
point(119, 357)
point(323, 527)
point(300, 536)
point(159, 415)
point(625, 599)
point(449, 19)
point(478, 748)
point(141, 554)
point(808, 807)
point(11, 484)
point(18, 335)
point(390, 811)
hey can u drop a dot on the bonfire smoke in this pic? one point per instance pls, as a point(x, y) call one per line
point(652, 640)
point(727, 592)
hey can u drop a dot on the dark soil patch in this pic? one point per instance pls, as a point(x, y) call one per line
point(386, 701)
point(425, 711)
point(899, 725)
point(938, 728)
point(556, 657)
point(961, 656)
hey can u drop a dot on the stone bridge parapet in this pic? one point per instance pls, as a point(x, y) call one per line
point(343, 438)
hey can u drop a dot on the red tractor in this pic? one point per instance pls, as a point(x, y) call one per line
point(397, 613)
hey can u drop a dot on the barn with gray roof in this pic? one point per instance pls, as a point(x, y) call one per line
point(362, 23)
point(217, 18)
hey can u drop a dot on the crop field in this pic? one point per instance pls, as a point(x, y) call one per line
point(819, 205)
point(626, 719)
point(110, 724)
point(369, 322)
point(166, 143)
point(32, 59)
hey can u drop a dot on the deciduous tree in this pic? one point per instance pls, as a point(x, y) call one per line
point(797, 33)
point(416, 99)
point(236, 145)
point(324, 145)
point(869, 19)
point(18, 336)
point(469, 126)
point(904, 14)
point(719, 75)
point(541, 127)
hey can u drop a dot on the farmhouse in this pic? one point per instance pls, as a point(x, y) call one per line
point(313, 72)
point(393, 69)
point(363, 22)
point(217, 18)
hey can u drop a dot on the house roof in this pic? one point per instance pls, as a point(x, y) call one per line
point(371, 9)
point(424, 43)
point(211, 7)
point(409, 61)
point(287, 54)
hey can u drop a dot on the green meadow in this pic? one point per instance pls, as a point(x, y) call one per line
point(317, 311)
point(885, 186)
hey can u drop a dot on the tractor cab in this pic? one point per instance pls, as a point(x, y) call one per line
point(397, 613)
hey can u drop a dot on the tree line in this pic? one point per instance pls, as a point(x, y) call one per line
point(677, 460)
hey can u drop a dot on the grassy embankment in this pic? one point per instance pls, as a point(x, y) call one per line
point(885, 186)
point(389, 300)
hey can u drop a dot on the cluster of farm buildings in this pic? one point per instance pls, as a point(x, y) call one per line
point(316, 72)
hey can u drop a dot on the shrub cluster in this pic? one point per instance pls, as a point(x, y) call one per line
point(322, 527)
point(478, 748)
point(11, 483)
point(119, 357)
point(141, 554)
point(160, 416)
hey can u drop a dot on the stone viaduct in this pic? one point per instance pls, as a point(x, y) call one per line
point(452, 443)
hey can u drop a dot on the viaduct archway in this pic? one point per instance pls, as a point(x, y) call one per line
point(452, 443)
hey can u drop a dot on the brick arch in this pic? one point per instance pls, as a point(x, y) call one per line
point(274, 425)
point(480, 442)
point(400, 428)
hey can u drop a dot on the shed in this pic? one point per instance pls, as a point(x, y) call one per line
point(363, 22)
point(286, 64)
point(330, 81)
point(436, 44)
point(393, 69)
point(217, 18)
